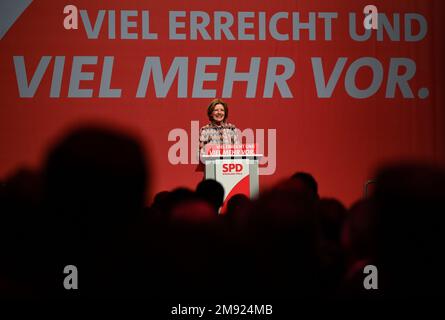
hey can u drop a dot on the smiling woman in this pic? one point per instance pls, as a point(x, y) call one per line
point(218, 131)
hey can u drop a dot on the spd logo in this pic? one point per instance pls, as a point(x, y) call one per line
point(232, 167)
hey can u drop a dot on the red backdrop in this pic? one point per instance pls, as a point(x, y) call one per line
point(340, 139)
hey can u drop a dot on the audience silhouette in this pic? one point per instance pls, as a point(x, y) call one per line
point(86, 207)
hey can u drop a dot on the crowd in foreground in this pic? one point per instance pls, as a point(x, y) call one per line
point(86, 207)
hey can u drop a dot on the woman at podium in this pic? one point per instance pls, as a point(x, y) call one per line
point(218, 131)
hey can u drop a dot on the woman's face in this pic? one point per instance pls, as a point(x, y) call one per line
point(218, 113)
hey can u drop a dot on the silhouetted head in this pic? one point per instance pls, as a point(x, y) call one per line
point(94, 168)
point(212, 191)
point(306, 182)
point(176, 197)
point(238, 204)
point(160, 200)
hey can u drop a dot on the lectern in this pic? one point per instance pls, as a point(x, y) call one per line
point(235, 167)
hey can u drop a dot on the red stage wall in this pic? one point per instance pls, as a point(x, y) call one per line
point(387, 105)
